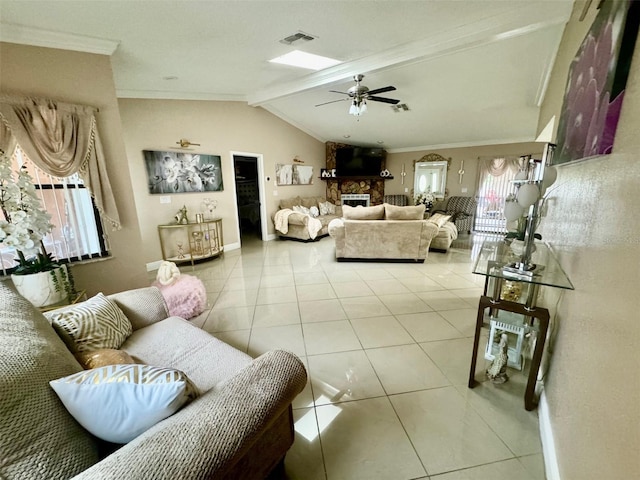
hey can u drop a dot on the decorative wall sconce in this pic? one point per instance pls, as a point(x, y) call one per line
point(184, 143)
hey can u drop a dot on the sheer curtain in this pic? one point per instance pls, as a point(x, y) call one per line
point(61, 139)
point(494, 184)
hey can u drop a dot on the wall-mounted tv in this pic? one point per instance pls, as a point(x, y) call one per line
point(359, 161)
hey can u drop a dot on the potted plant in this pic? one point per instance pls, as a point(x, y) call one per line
point(38, 277)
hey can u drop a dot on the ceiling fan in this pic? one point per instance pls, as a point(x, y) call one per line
point(359, 94)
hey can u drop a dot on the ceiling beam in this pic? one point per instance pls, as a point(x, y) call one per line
point(509, 24)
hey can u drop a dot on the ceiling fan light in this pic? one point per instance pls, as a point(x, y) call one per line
point(353, 110)
point(363, 107)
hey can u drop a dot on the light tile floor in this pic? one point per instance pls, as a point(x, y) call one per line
point(387, 348)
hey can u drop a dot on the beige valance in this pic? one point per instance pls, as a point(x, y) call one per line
point(61, 139)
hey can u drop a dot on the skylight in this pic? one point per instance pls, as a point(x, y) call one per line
point(301, 59)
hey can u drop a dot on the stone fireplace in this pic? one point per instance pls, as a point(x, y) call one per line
point(355, 199)
point(338, 187)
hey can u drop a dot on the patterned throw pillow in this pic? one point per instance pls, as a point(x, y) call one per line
point(439, 219)
point(91, 325)
point(301, 209)
point(314, 212)
point(103, 357)
point(327, 208)
point(119, 402)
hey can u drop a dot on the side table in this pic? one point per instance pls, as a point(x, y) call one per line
point(493, 256)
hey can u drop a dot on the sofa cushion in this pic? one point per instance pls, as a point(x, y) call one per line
point(363, 213)
point(439, 219)
point(290, 202)
point(93, 324)
point(311, 201)
point(38, 437)
point(175, 343)
point(392, 212)
point(327, 208)
point(301, 209)
point(119, 402)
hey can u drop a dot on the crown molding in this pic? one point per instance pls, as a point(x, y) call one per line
point(509, 24)
point(65, 41)
point(166, 95)
point(293, 123)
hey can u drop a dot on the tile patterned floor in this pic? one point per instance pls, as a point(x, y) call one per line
point(387, 348)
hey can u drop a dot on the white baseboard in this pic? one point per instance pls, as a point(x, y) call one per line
point(271, 236)
point(153, 266)
point(156, 265)
point(546, 437)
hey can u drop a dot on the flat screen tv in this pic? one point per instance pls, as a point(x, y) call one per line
point(359, 161)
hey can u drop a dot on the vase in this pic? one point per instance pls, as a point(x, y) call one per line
point(518, 247)
point(40, 289)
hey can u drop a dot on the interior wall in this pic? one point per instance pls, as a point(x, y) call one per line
point(219, 128)
point(469, 155)
point(85, 78)
point(593, 386)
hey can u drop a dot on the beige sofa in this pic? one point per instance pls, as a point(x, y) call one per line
point(240, 427)
point(297, 225)
point(382, 232)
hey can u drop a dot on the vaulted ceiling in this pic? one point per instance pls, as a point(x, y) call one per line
point(471, 72)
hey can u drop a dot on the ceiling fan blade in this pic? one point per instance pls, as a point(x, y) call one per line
point(343, 93)
point(332, 101)
point(384, 100)
point(381, 90)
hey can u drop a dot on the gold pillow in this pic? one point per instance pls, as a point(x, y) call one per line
point(103, 357)
point(439, 219)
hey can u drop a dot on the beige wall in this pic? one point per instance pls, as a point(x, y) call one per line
point(220, 128)
point(593, 386)
point(87, 79)
point(470, 155)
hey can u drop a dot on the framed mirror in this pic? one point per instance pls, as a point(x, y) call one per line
point(430, 175)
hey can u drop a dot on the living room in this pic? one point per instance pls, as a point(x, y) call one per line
point(595, 204)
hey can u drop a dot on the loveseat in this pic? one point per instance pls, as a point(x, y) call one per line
point(239, 427)
point(382, 232)
point(293, 222)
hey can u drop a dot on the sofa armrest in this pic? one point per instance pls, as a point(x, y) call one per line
point(298, 219)
point(142, 306)
point(209, 436)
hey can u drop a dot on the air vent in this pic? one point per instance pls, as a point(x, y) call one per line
point(297, 38)
point(401, 107)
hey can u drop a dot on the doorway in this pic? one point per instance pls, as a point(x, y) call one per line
point(249, 198)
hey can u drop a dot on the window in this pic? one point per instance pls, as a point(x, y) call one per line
point(78, 233)
point(494, 184)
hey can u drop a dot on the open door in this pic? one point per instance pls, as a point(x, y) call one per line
point(249, 196)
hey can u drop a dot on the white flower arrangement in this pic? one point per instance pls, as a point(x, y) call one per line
point(425, 198)
point(25, 223)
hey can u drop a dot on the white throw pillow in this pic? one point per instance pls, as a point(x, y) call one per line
point(314, 212)
point(327, 208)
point(119, 402)
point(91, 325)
point(301, 209)
point(439, 219)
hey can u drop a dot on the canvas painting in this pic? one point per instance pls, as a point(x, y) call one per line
point(179, 172)
point(596, 84)
point(288, 174)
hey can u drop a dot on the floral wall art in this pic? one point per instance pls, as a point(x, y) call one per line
point(596, 84)
point(179, 172)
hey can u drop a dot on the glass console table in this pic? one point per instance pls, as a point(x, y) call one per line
point(494, 256)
